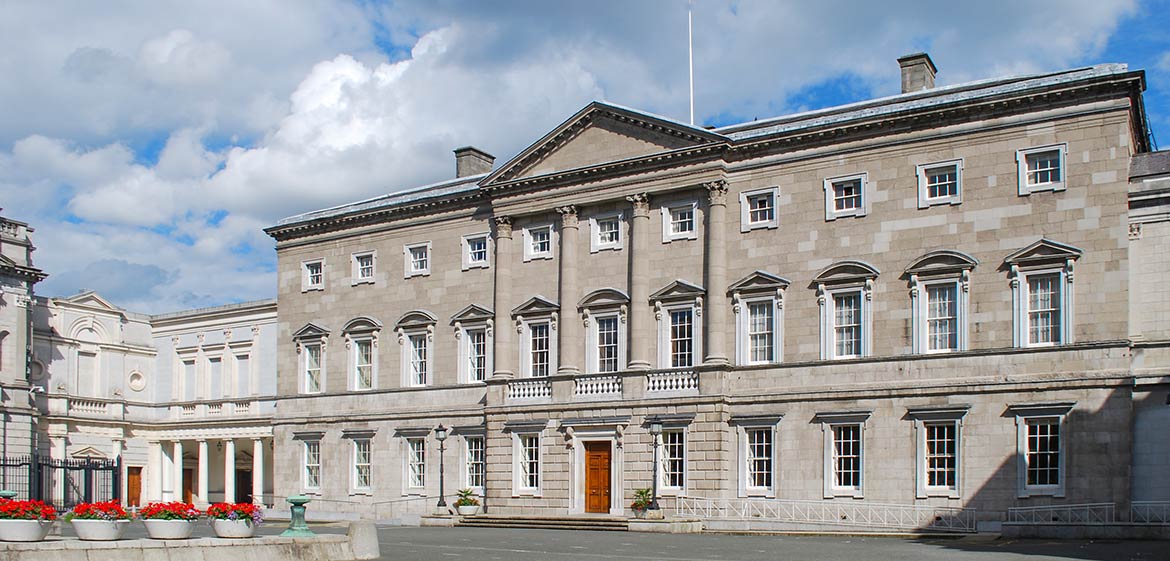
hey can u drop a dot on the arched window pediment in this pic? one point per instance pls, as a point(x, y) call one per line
point(604, 298)
point(942, 261)
point(846, 272)
point(415, 319)
point(362, 324)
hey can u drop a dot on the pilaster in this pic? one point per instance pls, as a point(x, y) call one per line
point(503, 354)
point(715, 273)
point(571, 344)
point(641, 315)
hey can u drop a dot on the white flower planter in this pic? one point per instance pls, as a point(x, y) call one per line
point(99, 530)
point(233, 528)
point(24, 530)
point(170, 529)
point(468, 510)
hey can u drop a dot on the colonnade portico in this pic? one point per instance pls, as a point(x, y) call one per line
point(205, 470)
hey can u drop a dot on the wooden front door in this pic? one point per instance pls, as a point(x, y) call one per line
point(133, 485)
point(597, 476)
point(188, 485)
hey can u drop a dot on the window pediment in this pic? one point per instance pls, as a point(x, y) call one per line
point(604, 298)
point(843, 272)
point(471, 314)
point(1043, 251)
point(941, 262)
point(310, 331)
point(678, 290)
point(758, 281)
point(416, 319)
point(362, 324)
point(537, 305)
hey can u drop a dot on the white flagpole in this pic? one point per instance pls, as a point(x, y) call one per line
point(691, 58)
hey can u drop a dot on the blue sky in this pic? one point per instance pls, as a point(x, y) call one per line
point(150, 142)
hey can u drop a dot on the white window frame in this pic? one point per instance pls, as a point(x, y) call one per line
point(828, 422)
point(520, 485)
point(592, 339)
point(463, 334)
point(1055, 412)
point(595, 244)
point(355, 487)
point(306, 277)
point(408, 269)
point(924, 198)
point(304, 365)
point(466, 457)
point(664, 485)
point(1022, 297)
point(742, 309)
point(529, 252)
point(829, 325)
point(920, 310)
point(404, 341)
point(526, 324)
point(468, 261)
point(355, 343)
point(305, 465)
point(745, 222)
point(668, 210)
point(743, 426)
point(409, 486)
point(356, 268)
point(663, 315)
point(831, 212)
point(937, 416)
point(1026, 188)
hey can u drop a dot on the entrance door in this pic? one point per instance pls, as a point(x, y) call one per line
point(243, 486)
point(188, 485)
point(133, 485)
point(597, 477)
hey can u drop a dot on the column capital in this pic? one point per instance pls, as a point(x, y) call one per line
point(641, 202)
point(716, 191)
point(503, 226)
point(568, 216)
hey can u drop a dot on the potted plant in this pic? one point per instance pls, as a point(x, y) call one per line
point(169, 521)
point(467, 505)
point(238, 520)
point(641, 502)
point(25, 521)
point(104, 521)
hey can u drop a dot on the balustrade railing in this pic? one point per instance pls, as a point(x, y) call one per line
point(1149, 512)
point(672, 381)
point(593, 386)
point(87, 406)
point(839, 513)
point(188, 411)
point(533, 388)
point(242, 407)
point(1087, 513)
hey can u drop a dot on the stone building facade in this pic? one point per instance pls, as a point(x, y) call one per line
point(926, 299)
point(18, 276)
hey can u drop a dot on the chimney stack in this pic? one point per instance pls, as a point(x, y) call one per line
point(917, 72)
point(472, 161)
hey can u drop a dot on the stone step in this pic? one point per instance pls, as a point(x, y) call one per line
point(548, 527)
point(550, 522)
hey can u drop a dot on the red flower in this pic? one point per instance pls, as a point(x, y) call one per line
point(109, 510)
point(26, 510)
point(237, 511)
point(169, 511)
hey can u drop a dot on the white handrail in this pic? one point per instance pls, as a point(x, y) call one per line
point(1085, 513)
point(872, 515)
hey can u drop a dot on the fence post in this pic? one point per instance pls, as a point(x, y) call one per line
point(34, 477)
point(87, 471)
point(117, 478)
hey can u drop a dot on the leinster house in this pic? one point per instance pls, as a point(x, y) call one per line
point(952, 297)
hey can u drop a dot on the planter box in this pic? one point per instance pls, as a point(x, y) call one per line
point(233, 528)
point(170, 529)
point(24, 530)
point(468, 510)
point(99, 530)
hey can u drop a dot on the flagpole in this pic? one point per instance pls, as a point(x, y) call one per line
point(691, 58)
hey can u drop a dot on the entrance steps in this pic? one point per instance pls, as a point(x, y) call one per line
point(596, 523)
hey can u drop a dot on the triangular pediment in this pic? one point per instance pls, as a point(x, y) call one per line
point(310, 331)
point(601, 133)
point(1043, 250)
point(536, 305)
point(678, 290)
point(91, 299)
point(89, 453)
point(758, 281)
point(941, 261)
point(6, 261)
point(472, 313)
point(604, 297)
point(847, 271)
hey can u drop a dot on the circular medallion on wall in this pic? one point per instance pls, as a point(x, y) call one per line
point(136, 380)
point(36, 370)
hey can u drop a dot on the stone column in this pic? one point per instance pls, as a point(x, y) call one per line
point(177, 473)
point(715, 274)
point(571, 347)
point(229, 471)
point(257, 470)
point(203, 472)
point(504, 350)
point(640, 317)
point(154, 471)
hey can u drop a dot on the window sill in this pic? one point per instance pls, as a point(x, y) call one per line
point(470, 266)
point(601, 248)
point(415, 492)
point(940, 494)
point(1027, 492)
point(844, 214)
point(535, 494)
point(420, 274)
point(313, 289)
point(845, 494)
point(541, 257)
point(1042, 187)
point(680, 237)
point(362, 493)
point(362, 281)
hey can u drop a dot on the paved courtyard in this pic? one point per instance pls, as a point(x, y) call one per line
point(487, 544)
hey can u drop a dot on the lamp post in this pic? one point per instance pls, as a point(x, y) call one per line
point(441, 436)
point(655, 432)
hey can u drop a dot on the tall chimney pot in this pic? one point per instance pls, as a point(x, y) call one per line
point(917, 72)
point(470, 160)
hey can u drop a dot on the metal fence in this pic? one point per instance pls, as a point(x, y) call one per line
point(62, 483)
point(1087, 513)
point(871, 515)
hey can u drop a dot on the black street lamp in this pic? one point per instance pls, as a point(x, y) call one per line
point(441, 436)
point(655, 432)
